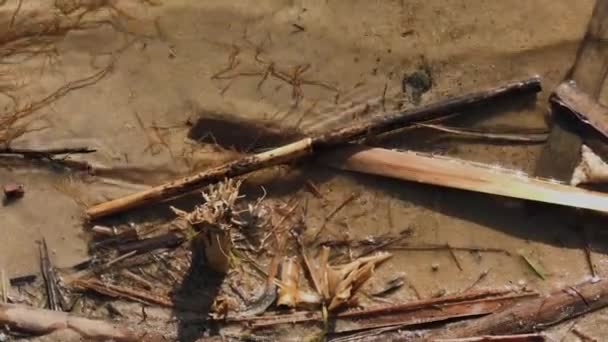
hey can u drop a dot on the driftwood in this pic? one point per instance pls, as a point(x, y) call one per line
point(582, 105)
point(460, 174)
point(42, 322)
point(533, 314)
point(307, 146)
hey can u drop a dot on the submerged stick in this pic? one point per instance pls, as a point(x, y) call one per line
point(464, 175)
point(524, 137)
point(48, 274)
point(308, 146)
point(46, 152)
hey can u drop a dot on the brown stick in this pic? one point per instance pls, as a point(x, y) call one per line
point(307, 146)
point(116, 291)
point(584, 337)
point(49, 276)
point(46, 152)
point(463, 175)
point(167, 240)
point(534, 314)
point(41, 322)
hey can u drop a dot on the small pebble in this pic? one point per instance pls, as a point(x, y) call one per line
point(435, 267)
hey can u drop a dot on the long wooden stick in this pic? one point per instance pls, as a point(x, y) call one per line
point(307, 146)
point(533, 314)
point(460, 174)
point(41, 322)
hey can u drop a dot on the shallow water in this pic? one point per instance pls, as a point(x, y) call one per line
point(347, 52)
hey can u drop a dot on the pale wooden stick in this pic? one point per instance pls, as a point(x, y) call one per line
point(460, 174)
point(307, 146)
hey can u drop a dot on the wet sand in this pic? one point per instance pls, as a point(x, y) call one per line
point(163, 80)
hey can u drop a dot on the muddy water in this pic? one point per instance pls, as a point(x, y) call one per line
point(182, 59)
